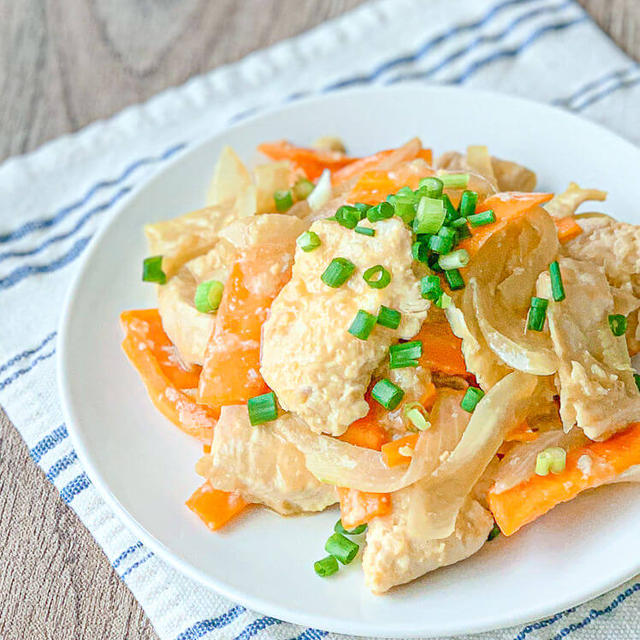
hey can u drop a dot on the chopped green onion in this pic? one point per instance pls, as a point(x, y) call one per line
point(448, 233)
point(458, 223)
point(348, 216)
point(341, 548)
point(377, 277)
point(152, 270)
point(454, 260)
point(463, 230)
point(537, 314)
point(468, 202)
point(432, 186)
point(414, 413)
point(451, 212)
point(388, 317)
point(454, 279)
point(406, 191)
point(438, 244)
point(444, 301)
point(482, 218)
point(557, 288)
point(429, 216)
point(431, 288)
point(208, 296)
point(454, 180)
point(362, 208)
point(405, 354)
point(283, 199)
point(338, 528)
point(405, 210)
point(338, 272)
point(420, 251)
point(381, 211)
point(494, 533)
point(433, 263)
point(365, 231)
point(308, 241)
point(618, 324)
point(262, 408)
point(362, 325)
point(552, 459)
point(387, 394)
point(636, 377)
point(326, 567)
point(471, 398)
point(302, 188)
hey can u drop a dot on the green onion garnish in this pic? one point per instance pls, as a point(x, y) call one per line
point(414, 414)
point(451, 212)
point(482, 218)
point(341, 548)
point(429, 216)
point(382, 211)
point(552, 459)
point(388, 317)
point(537, 314)
point(365, 231)
point(262, 408)
point(618, 324)
point(377, 277)
point(557, 288)
point(432, 186)
point(308, 241)
point(362, 325)
point(405, 209)
point(362, 208)
point(326, 567)
point(430, 287)
point(444, 301)
point(636, 377)
point(438, 244)
point(302, 188)
point(494, 533)
point(283, 199)
point(463, 230)
point(454, 180)
point(404, 354)
point(208, 296)
point(454, 260)
point(471, 398)
point(338, 272)
point(433, 263)
point(348, 216)
point(454, 279)
point(338, 528)
point(420, 251)
point(387, 394)
point(468, 202)
point(448, 233)
point(458, 223)
point(152, 270)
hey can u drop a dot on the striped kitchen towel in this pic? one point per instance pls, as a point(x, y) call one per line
point(54, 200)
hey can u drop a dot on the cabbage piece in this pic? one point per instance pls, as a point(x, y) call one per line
point(566, 203)
point(232, 186)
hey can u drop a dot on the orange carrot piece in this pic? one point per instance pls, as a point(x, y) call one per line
point(230, 374)
point(426, 155)
point(372, 187)
point(531, 499)
point(522, 433)
point(141, 346)
point(507, 206)
point(441, 349)
point(359, 166)
point(429, 396)
point(311, 161)
point(215, 508)
point(568, 229)
point(392, 454)
point(360, 507)
point(365, 433)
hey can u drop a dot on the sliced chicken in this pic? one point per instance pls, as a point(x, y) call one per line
point(261, 466)
point(595, 378)
point(316, 367)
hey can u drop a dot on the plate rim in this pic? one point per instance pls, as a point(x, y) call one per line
point(265, 607)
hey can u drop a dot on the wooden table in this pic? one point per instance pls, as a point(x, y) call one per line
point(64, 65)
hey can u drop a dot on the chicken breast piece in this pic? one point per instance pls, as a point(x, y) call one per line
point(398, 552)
point(595, 378)
point(261, 466)
point(316, 367)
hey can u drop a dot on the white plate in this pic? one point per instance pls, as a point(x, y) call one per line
point(144, 466)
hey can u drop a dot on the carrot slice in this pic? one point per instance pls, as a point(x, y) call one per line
point(507, 206)
point(586, 467)
point(311, 161)
point(144, 344)
point(230, 374)
point(372, 187)
point(429, 396)
point(359, 166)
point(441, 349)
point(568, 229)
point(393, 452)
point(215, 508)
point(360, 507)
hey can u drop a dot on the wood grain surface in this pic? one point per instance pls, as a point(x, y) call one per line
point(65, 64)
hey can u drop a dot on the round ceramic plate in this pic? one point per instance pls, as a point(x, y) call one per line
point(144, 466)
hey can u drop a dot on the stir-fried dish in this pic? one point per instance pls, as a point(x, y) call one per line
point(432, 344)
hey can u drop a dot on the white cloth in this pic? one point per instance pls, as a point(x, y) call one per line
point(54, 199)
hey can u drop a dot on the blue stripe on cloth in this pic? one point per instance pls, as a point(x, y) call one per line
point(44, 223)
point(541, 624)
point(135, 565)
point(127, 552)
point(203, 627)
point(58, 467)
point(28, 352)
point(49, 442)
point(621, 84)
point(73, 488)
point(19, 274)
point(311, 634)
point(256, 626)
point(63, 236)
point(593, 84)
point(20, 372)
